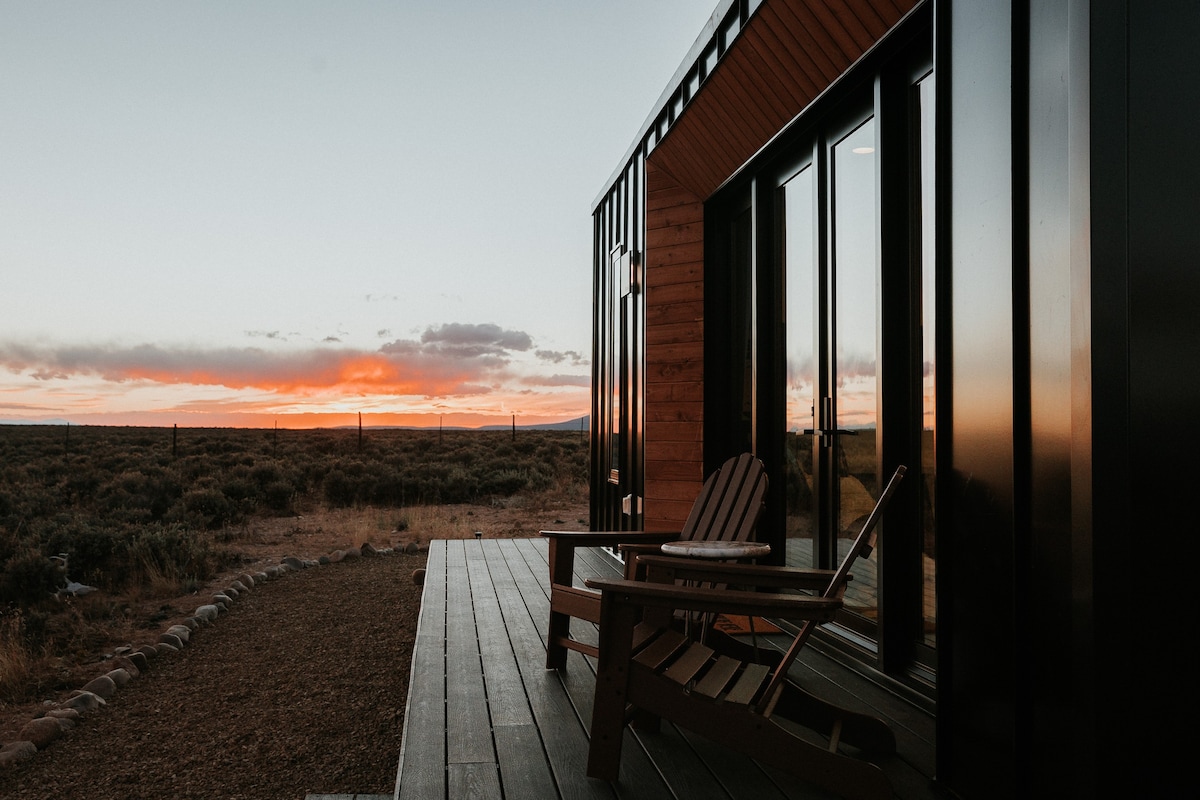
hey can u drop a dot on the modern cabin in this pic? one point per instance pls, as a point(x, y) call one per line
point(960, 236)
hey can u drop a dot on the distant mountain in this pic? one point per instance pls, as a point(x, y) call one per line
point(579, 423)
point(34, 422)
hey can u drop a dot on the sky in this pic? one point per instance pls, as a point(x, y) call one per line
point(291, 212)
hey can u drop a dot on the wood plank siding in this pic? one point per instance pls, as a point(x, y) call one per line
point(674, 455)
point(787, 54)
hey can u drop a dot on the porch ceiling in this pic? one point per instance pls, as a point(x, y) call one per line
point(789, 52)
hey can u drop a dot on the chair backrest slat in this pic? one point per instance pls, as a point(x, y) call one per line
point(730, 503)
point(861, 547)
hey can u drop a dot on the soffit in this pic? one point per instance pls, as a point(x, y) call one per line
point(788, 53)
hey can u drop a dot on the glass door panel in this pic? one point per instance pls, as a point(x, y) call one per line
point(925, 235)
point(800, 289)
point(852, 390)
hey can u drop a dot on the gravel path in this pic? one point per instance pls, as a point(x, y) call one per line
point(299, 688)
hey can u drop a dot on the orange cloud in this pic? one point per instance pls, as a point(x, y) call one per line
point(448, 361)
point(482, 372)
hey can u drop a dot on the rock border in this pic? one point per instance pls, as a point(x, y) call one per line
point(127, 662)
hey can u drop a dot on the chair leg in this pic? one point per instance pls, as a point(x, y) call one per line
point(559, 629)
point(612, 687)
point(562, 565)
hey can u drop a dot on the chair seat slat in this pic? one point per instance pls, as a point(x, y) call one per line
point(689, 664)
point(718, 675)
point(748, 684)
point(643, 632)
point(658, 652)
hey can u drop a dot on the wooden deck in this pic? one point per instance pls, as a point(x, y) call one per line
point(485, 719)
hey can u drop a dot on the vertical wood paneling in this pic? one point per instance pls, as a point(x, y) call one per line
point(674, 349)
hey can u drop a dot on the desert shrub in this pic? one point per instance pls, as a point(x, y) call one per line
point(264, 475)
point(240, 491)
point(168, 556)
point(141, 496)
point(277, 495)
point(96, 553)
point(205, 508)
point(505, 482)
point(338, 489)
point(27, 578)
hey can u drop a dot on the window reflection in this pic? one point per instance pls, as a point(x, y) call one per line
point(800, 292)
point(855, 378)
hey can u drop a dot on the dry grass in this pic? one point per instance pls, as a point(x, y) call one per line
point(17, 661)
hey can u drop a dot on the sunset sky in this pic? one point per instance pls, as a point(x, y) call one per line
point(283, 212)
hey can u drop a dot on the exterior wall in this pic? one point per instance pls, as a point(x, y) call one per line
point(977, 570)
point(674, 350)
point(1067, 240)
point(1145, 284)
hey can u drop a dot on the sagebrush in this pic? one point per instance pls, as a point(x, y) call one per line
point(148, 510)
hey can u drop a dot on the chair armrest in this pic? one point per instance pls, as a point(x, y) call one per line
point(670, 568)
point(606, 538)
point(652, 547)
point(728, 601)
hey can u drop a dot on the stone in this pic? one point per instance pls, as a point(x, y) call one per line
point(42, 731)
point(13, 752)
point(293, 562)
point(274, 572)
point(102, 686)
point(239, 587)
point(84, 702)
point(148, 650)
point(324, 561)
point(260, 577)
point(231, 592)
point(222, 600)
point(190, 624)
point(353, 552)
point(337, 556)
point(182, 631)
point(120, 676)
point(412, 548)
point(70, 714)
point(170, 640)
point(207, 613)
point(167, 647)
point(139, 660)
point(368, 549)
point(247, 580)
point(418, 577)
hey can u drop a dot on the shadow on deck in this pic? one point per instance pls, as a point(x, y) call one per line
point(485, 718)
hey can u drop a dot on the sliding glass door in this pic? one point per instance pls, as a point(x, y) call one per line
point(832, 353)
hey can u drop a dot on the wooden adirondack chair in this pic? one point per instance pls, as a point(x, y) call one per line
point(727, 509)
point(648, 672)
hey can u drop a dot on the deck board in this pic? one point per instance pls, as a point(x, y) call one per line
point(485, 719)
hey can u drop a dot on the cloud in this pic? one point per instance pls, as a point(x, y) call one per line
point(558, 380)
point(559, 356)
point(453, 360)
point(487, 338)
point(27, 407)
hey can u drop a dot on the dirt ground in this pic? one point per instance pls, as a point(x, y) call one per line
point(299, 688)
